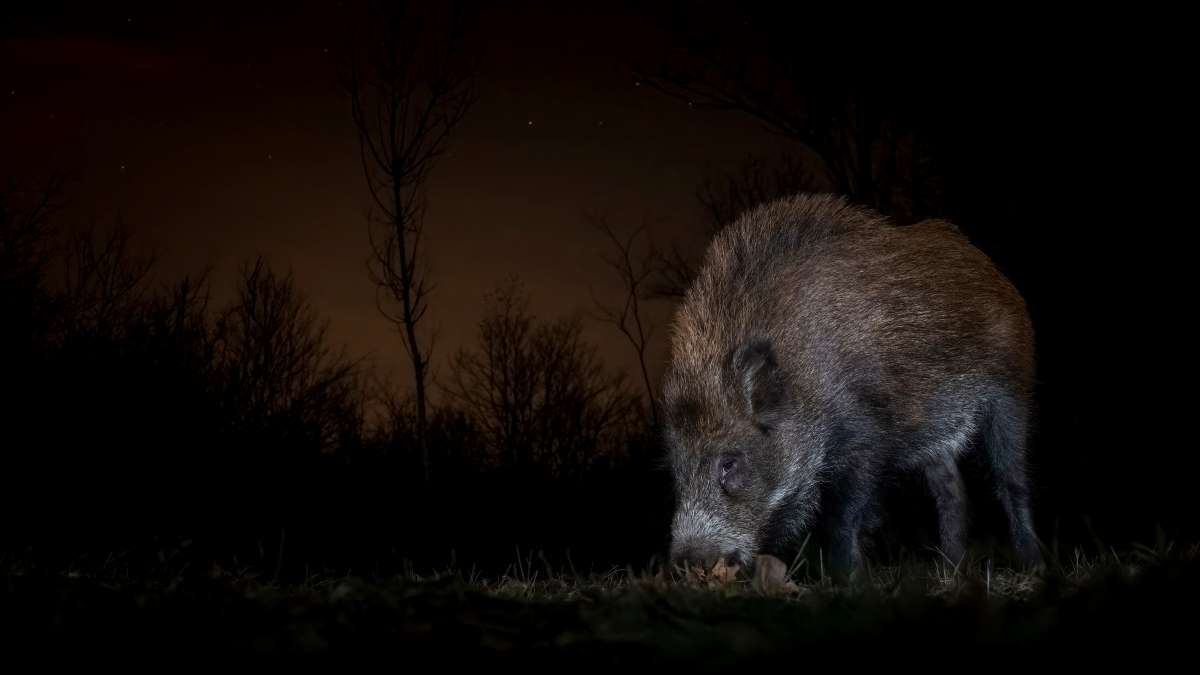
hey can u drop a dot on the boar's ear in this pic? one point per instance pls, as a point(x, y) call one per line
point(761, 381)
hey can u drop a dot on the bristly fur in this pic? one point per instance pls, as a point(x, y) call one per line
point(824, 346)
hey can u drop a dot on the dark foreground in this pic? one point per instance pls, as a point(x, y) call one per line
point(1140, 604)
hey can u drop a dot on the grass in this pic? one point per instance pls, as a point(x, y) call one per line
point(1084, 605)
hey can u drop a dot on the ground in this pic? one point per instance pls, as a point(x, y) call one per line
point(1139, 601)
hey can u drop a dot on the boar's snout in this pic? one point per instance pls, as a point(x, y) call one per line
point(695, 553)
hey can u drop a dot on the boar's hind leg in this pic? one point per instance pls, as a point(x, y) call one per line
point(948, 490)
point(1004, 436)
point(855, 499)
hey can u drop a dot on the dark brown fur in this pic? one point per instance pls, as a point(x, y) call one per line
point(819, 347)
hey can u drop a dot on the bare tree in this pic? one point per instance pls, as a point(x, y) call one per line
point(494, 383)
point(408, 90)
point(673, 271)
point(27, 247)
point(177, 320)
point(634, 271)
point(26, 233)
point(869, 145)
point(726, 195)
point(104, 281)
point(280, 378)
point(539, 395)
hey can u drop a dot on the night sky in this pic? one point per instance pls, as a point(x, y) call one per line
point(217, 131)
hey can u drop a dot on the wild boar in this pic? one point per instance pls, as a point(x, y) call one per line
point(820, 347)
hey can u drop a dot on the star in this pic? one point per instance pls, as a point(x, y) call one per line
point(529, 123)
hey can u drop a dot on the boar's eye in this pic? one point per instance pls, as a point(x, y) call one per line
point(727, 464)
point(730, 472)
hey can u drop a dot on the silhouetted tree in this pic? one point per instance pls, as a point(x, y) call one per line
point(726, 195)
point(107, 384)
point(27, 247)
point(455, 443)
point(864, 119)
point(408, 89)
point(280, 378)
point(539, 395)
point(104, 282)
point(634, 271)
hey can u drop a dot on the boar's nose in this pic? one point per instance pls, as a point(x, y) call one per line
point(694, 554)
